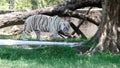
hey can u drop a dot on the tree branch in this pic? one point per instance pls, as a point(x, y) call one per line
point(16, 18)
point(76, 4)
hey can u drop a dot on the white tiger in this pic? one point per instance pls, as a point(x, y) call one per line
point(38, 23)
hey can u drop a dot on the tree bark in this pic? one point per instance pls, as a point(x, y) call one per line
point(6, 11)
point(76, 4)
point(17, 18)
point(108, 37)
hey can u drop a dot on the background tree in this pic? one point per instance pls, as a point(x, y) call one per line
point(108, 33)
point(34, 4)
point(11, 4)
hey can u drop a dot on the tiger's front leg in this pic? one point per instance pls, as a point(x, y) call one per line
point(24, 33)
point(54, 35)
point(37, 32)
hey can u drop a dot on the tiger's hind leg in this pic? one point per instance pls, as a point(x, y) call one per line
point(37, 32)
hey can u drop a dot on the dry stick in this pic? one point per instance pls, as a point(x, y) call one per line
point(76, 29)
point(61, 35)
point(81, 21)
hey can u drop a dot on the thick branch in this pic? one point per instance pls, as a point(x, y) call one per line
point(6, 11)
point(16, 18)
point(76, 4)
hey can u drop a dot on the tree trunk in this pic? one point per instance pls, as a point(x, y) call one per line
point(107, 34)
point(11, 4)
point(34, 4)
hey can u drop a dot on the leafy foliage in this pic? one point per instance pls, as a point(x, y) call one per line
point(27, 4)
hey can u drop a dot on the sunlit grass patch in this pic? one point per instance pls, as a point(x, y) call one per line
point(55, 57)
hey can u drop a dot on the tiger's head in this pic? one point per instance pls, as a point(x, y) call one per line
point(64, 28)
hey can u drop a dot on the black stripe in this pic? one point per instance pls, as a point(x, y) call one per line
point(43, 22)
point(34, 20)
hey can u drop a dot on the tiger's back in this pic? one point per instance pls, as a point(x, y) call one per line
point(38, 22)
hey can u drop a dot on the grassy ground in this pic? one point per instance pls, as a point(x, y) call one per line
point(54, 57)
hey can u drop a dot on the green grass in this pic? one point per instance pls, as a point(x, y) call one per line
point(54, 57)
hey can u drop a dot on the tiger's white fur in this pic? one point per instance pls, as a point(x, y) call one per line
point(39, 23)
